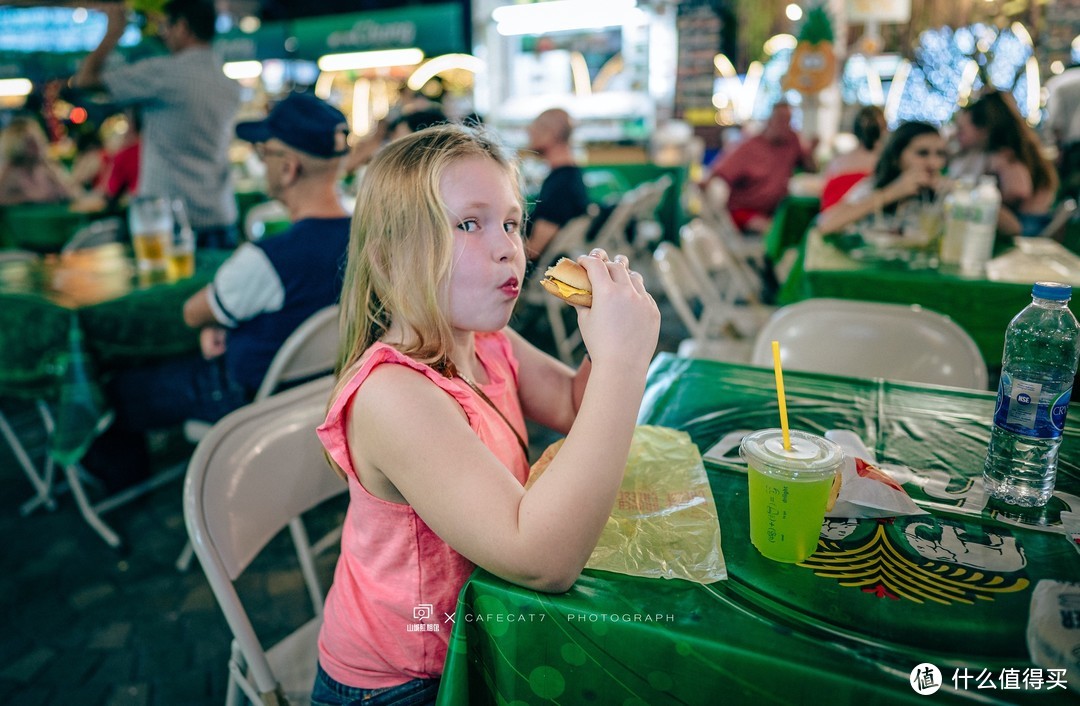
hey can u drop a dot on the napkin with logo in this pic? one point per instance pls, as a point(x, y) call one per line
point(866, 489)
point(664, 523)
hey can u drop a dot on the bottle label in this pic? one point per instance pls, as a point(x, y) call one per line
point(1031, 408)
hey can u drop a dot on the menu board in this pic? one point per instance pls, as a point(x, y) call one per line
point(699, 29)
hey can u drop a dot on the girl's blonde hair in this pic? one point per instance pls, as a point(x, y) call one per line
point(400, 246)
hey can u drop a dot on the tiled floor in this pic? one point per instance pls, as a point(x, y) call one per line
point(84, 624)
point(89, 625)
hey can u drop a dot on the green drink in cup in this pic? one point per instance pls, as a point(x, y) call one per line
point(789, 489)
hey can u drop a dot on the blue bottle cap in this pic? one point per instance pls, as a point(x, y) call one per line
point(1055, 291)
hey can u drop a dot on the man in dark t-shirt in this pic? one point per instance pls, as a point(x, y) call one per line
point(562, 195)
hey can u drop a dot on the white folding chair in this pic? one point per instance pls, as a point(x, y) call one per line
point(711, 322)
point(712, 258)
point(309, 351)
point(710, 206)
point(637, 205)
point(258, 471)
point(871, 339)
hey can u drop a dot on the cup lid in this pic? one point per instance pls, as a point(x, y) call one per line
point(809, 455)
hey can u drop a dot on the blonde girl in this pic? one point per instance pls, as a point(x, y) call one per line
point(427, 421)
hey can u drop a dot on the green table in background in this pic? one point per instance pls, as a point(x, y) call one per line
point(847, 626)
point(43, 228)
point(60, 340)
point(982, 307)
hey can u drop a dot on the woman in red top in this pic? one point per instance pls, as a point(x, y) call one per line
point(846, 170)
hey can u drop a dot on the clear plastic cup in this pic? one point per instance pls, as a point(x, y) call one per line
point(150, 219)
point(789, 489)
point(182, 252)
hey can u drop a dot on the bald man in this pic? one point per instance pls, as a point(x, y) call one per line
point(562, 195)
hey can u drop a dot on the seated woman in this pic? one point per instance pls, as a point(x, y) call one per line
point(1027, 180)
point(26, 174)
point(909, 169)
point(846, 170)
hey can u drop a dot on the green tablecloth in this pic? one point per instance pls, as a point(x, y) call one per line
point(879, 597)
point(54, 347)
point(606, 182)
point(790, 224)
point(43, 227)
point(982, 308)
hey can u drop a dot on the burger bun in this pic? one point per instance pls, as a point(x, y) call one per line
point(568, 281)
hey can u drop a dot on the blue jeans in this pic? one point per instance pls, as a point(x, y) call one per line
point(154, 397)
point(1033, 224)
point(327, 692)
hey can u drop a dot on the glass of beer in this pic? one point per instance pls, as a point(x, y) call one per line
point(150, 219)
point(182, 252)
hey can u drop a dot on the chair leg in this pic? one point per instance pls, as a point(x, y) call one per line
point(233, 693)
point(558, 330)
point(307, 562)
point(42, 482)
point(183, 562)
point(88, 511)
point(92, 513)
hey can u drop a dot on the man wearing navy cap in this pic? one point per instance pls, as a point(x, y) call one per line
point(259, 295)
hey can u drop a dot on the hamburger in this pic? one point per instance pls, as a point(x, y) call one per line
point(568, 281)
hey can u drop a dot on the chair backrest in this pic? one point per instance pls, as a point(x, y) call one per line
point(569, 241)
point(1062, 213)
point(871, 339)
point(257, 470)
point(309, 351)
point(711, 257)
point(100, 232)
point(639, 203)
point(650, 195)
point(693, 299)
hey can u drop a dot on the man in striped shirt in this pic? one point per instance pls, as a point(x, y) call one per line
point(188, 111)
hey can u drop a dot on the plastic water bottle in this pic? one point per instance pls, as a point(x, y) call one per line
point(978, 243)
point(1041, 352)
point(957, 208)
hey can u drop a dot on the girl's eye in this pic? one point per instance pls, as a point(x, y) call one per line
point(510, 226)
point(468, 226)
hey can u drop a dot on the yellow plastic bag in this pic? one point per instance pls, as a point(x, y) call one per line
point(664, 523)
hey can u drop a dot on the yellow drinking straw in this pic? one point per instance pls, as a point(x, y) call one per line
point(780, 394)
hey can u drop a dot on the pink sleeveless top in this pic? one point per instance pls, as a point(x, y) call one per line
point(385, 616)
